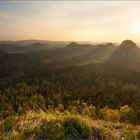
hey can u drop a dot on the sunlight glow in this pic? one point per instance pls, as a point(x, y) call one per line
point(135, 28)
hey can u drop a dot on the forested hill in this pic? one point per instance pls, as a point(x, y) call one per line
point(101, 82)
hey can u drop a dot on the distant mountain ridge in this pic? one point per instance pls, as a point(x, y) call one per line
point(32, 41)
point(76, 53)
point(125, 52)
point(26, 46)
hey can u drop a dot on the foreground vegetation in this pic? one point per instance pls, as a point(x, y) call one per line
point(58, 125)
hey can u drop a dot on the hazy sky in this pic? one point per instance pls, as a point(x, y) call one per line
point(70, 20)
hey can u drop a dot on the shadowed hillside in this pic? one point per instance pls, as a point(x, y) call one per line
point(127, 51)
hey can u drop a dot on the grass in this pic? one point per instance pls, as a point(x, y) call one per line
point(56, 125)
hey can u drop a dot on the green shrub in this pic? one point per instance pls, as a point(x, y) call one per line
point(129, 135)
point(75, 129)
point(73, 109)
point(60, 107)
point(97, 134)
point(89, 111)
point(109, 114)
point(102, 112)
point(112, 115)
point(8, 124)
point(127, 114)
point(50, 130)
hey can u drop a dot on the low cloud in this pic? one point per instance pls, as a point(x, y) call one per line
point(5, 16)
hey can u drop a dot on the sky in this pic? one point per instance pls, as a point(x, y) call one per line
point(70, 20)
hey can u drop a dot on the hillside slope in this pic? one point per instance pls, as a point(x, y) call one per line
point(56, 125)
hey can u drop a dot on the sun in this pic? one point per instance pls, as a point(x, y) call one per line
point(135, 27)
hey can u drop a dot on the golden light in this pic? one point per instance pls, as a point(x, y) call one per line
point(135, 28)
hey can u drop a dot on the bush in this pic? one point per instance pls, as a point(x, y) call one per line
point(109, 114)
point(8, 124)
point(60, 108)
point(129, 135)
point(71, 128)
point(102, 112)
point(127, 114)
point(89, 111)
point(50, 130)
point(75, 129)
point(112, 115)
point(73, 109)
point(98, 134)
